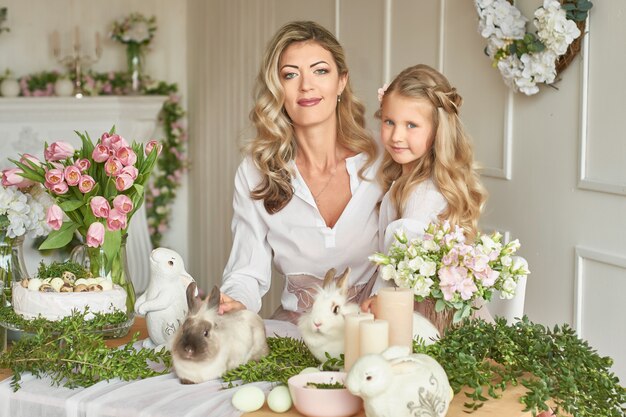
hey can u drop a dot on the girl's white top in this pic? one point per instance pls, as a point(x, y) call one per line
point(297, 238)
point(422, 208)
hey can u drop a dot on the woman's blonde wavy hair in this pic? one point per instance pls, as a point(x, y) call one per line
point(275, 144)
point(450, 159)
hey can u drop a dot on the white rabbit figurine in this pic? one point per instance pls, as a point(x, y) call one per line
point(322, 327)
point(399, 384)
point(164, 303)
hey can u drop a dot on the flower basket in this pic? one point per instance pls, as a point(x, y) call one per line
point(450, 275)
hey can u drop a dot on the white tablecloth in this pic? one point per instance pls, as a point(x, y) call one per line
point(161, 396)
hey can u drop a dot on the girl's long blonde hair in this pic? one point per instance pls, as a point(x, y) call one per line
point(450, 160)
point(275, 145)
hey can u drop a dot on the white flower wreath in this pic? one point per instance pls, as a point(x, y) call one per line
point(526, 59)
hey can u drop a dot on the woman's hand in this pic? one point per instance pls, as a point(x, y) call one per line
point(228, 304)
point(369, 305)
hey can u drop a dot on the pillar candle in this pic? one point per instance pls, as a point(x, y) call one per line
point(351, 334)
point(373, 336)
point(396, 306)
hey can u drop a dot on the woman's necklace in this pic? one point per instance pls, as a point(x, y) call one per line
point(316, 196)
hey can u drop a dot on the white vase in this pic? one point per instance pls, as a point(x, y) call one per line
point(10, 88)
point(63, 87)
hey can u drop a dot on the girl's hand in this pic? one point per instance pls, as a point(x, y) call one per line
point(369, 305)
point(228, 304)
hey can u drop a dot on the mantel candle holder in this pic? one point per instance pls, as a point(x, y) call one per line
point(76, 61)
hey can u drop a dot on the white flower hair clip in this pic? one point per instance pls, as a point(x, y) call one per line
point(381, 92)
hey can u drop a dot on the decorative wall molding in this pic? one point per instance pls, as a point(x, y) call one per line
point(504, 172)
point(583, 254)
point(442, 35)
point(584, 180)
point(387, 42)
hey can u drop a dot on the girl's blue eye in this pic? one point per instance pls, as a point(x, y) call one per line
point(411, 125)
point(388, 122)
point(289, 75)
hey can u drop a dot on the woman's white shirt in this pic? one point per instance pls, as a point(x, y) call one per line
point(422, 208)
point(297, 237)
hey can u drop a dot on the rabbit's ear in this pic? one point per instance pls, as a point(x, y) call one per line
point(329, 277)
point(342, 280)
point(193, 302)
point(214, 298)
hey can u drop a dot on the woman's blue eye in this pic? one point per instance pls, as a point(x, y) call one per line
point(321, 71)
point(289, 75)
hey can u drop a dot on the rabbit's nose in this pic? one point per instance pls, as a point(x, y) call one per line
point(317, 324)
point(188, 350)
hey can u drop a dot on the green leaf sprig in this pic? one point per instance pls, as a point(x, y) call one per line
point(73, 353)
point(325, 385)
point(554, 365)
point(287, 357)
point(56, 269)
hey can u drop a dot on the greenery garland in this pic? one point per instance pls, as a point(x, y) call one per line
point(554, 365)
point(72, 351)
point(172, 162)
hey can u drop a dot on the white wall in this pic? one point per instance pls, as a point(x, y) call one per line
point(571, 229)
point(27, 49)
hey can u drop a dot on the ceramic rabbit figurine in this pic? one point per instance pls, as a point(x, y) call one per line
point(399, 384)
point(164, 303)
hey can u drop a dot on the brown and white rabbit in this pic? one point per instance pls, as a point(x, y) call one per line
point(322, 327)
point(208, 344)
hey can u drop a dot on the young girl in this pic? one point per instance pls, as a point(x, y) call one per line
point(428, 170)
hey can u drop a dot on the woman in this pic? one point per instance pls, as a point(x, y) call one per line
point(306, 194)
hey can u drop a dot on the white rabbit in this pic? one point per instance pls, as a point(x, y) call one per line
point(209, 344)
point(399, 384)
point(164, 303)
point(322, 327)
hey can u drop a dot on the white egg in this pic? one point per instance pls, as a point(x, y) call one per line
point(80, 281)
point(279, 399)
point(248, 399)
point(90, 281)
point(106, 285)
point(309, 370)
point(34, 284)
point(56, 283)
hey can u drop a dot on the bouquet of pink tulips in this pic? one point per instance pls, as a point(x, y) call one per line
point(96, 189)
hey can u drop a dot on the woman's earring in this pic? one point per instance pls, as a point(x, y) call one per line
point(339, 98)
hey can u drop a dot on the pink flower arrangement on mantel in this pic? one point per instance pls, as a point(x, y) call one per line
point(96, 190)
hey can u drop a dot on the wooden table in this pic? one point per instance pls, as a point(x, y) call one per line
point(507, 406)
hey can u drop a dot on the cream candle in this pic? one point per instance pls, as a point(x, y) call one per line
point(396, 306)
point(373, 336)
point(351, 334)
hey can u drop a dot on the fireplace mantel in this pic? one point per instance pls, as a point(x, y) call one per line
point(26, 123)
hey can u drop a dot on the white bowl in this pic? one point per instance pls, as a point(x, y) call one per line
point(319, 402)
